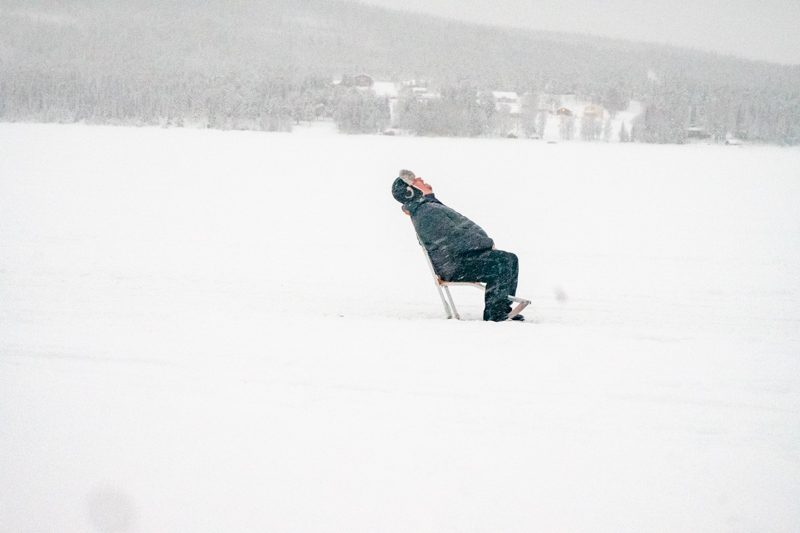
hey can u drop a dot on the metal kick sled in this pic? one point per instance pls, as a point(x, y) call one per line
point(444, 288)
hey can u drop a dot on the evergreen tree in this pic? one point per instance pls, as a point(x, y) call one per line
point(566, 127)
point(607, 130)
point(590, 128)
point(359, 112)
point(624, 136)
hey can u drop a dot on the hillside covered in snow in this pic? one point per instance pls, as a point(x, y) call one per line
point(269, 64)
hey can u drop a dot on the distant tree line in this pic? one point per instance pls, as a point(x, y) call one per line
point(457, 111)
point(268, 64)
point(235, 101)
point(276, 103)
point(161, 98)
point(673, 106)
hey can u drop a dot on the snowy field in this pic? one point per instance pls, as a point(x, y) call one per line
point(206, 331)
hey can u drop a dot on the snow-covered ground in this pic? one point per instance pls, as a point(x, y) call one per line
point(205, 331)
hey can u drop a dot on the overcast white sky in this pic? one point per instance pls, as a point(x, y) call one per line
point(755, 29)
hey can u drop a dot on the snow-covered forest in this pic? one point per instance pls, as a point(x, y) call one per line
point(268, 65)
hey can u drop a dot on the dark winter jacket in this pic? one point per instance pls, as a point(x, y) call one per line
point(447, 235)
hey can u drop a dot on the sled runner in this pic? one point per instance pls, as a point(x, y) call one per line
point(444, 288)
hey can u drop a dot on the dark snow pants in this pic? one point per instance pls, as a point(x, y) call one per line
point(499, 270)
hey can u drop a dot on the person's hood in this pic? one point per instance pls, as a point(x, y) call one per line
point(414, 204)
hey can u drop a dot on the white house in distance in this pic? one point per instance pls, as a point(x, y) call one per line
point(593, 111)
point(506, 101)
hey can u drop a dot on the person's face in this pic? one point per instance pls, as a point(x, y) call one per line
point(421, 185)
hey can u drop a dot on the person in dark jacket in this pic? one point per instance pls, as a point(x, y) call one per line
point(459, 249)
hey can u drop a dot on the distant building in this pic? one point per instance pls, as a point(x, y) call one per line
point(593, 111)
point(364, 81)
point(419, 91)
point(422, 94)
point(506, 101)
point(696, 132)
